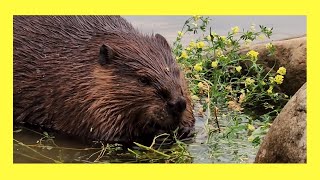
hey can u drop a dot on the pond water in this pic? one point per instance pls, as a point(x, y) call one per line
point(34, 145)
point(38, 146)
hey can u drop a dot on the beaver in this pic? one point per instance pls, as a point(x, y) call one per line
point(97, 77)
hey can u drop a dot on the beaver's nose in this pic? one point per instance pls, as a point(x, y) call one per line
point(178, 105)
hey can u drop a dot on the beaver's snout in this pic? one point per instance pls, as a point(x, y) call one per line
point(177, 106)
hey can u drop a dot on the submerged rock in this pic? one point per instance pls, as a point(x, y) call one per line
point(286, 140)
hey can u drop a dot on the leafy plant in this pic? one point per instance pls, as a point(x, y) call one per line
point(222, 74)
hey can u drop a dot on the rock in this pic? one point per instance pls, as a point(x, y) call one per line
point(291, 54)
point(286, 140)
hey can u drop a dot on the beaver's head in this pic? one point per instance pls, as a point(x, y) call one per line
point(139, 89)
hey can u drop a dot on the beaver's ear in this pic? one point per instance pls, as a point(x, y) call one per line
point(105, 55)
point(162, 40)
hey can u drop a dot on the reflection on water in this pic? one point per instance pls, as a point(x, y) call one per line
point(38, 146)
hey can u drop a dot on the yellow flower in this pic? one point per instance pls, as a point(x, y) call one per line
point(261, 37)
point(200, 111)
point(200, 44)
point(238, 68)
point(247, 42)
point(242, 98)
point(188, 48)
point(218, 52)
point(278, 79)
point(271, 79)
point(184, 55)
point(198, 67)
point(249, 81)
point(268, 29)
point(235, 30)
point(213, 34)
point(269, 46)
point(200, 85)
point(282, 71)
point(214, 64)
point(250, 138)
point(269, 91)
point(253, 27)
point(253, 54)
point(229, 42)
point(223, 38)
point(195, 97)
point(251, 127)
point(192, 44)
point(228, 88)
point(234, 105)
point(195, 25)
point(209, 38)
point(263, 83)
point(180, 34)
point(196, 17)
point(197, 76)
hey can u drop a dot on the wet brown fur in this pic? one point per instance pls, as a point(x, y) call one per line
point(59, 84)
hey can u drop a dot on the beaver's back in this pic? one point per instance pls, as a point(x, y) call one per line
point(45, 33)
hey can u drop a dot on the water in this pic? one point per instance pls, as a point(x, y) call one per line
point(34, 145)
point(37, 146)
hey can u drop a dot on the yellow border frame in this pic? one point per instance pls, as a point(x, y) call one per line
point(8, 170)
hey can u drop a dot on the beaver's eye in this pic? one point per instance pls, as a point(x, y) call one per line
point(145, 81)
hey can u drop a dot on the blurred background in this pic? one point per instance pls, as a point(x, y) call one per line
point(168, 26)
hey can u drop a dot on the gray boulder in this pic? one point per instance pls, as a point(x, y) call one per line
point(286, 140)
